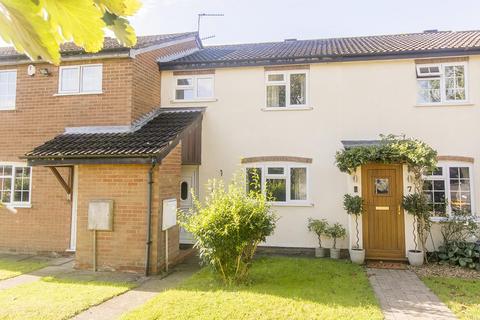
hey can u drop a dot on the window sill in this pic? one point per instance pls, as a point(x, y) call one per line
point(7, 108)
point(288, 109)
point(77, 94)
point(460, 104)
point(446, 219)
point(278, 204)
point(195, 100)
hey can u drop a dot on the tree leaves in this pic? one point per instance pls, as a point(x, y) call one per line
point(38, 27)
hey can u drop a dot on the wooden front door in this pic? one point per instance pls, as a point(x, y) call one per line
point(383, 221)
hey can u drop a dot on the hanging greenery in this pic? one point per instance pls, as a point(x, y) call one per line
point(391, 149)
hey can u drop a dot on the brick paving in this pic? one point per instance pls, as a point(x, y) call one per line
point(402, 295)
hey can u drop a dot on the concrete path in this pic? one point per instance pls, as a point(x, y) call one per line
point(115, 307)
point(402, 295)
point(56, 266)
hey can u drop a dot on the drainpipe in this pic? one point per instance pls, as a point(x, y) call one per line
point(149, 216)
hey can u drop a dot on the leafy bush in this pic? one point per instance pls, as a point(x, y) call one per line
point(465, 254)
point(354, 206)
point(456, 249)
point(228, 227)
point(337, 231)
point(417, 205)
point(319, 227)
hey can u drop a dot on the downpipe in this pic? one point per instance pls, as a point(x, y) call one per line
point(148, 243)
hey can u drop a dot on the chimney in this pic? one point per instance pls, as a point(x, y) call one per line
point(290, 40)
point(430, 31)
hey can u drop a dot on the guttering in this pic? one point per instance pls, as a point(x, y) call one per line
point(148, 243)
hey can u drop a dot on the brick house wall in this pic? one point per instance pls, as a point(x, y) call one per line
point(124, 247)
point(131, 87)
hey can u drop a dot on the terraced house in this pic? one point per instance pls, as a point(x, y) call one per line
point(148, 124)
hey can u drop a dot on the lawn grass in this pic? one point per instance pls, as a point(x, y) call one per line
point(56, 298)
point(462, 296)
point(10, 267)
point(280, 288)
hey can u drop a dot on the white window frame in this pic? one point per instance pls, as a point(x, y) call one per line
point(10, 107)
point(80, 77)
point(17, 204)
point(446, 165)
point(286, 175)
point(286, 83)
point(441, 76)
point(194, 87)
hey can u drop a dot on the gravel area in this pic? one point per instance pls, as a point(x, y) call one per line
point(445, 270)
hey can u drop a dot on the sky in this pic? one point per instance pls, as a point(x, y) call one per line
point(248, 21)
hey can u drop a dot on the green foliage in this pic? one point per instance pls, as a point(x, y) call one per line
point(416, 204)
point(459, 227)
point(337, 231)
point(38, 27)
point(465, 254)
point(319, 227)
point(228, 226)
point(391, 149)
point(354, 206)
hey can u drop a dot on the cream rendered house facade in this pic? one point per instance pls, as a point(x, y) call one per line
point(288, 114)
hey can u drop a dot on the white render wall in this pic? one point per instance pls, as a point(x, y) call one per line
point(351, 101)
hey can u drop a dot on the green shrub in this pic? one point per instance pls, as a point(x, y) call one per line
point(417, 205)
point(354, 206)
point(319, 227)
point(337, 231)
point(228, 227)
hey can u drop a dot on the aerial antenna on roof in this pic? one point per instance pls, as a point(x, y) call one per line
point(201, 15)
point(208, 37)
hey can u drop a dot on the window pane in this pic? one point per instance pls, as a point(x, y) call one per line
point(429, 91)
point(437, 172)
point(276, 170)
point(184, 82)
point(69, 81)
point(184, 190)
point(254, 179)
point(204, 88)
point(276, 77)
point(298, 183)
point(184, 94)
point(92, 78)
point(455, 82)
point(460, 193)
point(8, 84)
point(435, 192)
point(275, 96)
point(277, 190)
point(22, 184)
point(298, 89)
point(5, 189)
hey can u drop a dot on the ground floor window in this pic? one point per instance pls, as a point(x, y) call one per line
point(15, 184)
point(449, 189)
point(284, 183)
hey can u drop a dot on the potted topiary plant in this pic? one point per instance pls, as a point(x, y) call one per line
point(337, 231)
point(354, 206)
point(319, 227)
point(416, 204)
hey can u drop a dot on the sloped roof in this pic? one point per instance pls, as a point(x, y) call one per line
point(368, 46)
point(150, 139)
point(110, 44)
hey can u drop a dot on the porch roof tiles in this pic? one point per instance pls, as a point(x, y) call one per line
point(153, 137)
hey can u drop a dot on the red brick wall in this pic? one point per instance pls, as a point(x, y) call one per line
point(131, 87)
point(146, 77)
point(124, 247)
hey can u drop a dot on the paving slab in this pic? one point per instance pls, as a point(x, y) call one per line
point(150, 287)
point(402, 295)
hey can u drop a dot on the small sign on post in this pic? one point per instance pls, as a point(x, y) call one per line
point(169, 219)
point(100, 217)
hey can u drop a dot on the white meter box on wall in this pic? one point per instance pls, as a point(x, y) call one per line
point(100, 215)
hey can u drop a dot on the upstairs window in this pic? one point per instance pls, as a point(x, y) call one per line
point(194, 87)
point(80, 79)
point(286, 89)
point(449, 188)
point(8, 89)
point(442, 83)
point(15, 185)
point(284, 183)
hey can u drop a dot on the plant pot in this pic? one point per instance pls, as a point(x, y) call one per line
point(415, 257)
point(357, 256)
point(321, 252)
point(335, 253)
